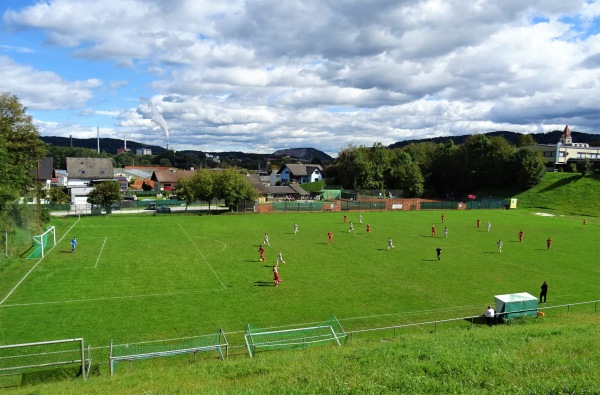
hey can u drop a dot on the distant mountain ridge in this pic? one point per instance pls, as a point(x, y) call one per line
point(511, 137)
point(106, 144)
point(111, 146)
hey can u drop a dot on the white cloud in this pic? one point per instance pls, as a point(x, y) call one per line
point(44, 90)
point(259, 76)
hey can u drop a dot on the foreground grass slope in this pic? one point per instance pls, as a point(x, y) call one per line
point(564, 192)
point(553, 355)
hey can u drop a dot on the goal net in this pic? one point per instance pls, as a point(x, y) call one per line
point(165, 348)
point(330, 330)
point(42, 243)
point(21, 359)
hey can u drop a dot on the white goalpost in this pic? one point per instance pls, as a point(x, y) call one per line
point(170, 347)
point(327, 331)
point(42, 242)
point(16, 359)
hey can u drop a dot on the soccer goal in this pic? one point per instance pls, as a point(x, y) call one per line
point(21, 359)
point(165, 348)
point(42, 243)
point(330, 330)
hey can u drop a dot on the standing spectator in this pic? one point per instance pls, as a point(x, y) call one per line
point(390, 243)
point(438, 251)
point(489, 315)
point(500, 244)
point(295, 228)
point(261, 251)
point(266, 240)
point(445, 231)
point(432, 230)
point(276, 278)
point(544, 292)
point(280, 258)
point(549, 243)
point(329, 237)
point(521, 234)
point(478, 223)
point(73, 244)
point(443, 217)
point(489, 226)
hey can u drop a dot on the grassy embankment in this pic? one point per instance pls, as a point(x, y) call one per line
point(566, 193)
point(557, 354)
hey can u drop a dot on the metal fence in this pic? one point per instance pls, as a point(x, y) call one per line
point(470, 320)
point(363, 205)
point(298, 205)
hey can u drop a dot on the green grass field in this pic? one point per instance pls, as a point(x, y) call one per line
point(139, 278)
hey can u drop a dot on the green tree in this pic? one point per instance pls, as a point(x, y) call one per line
point(57, 196)
point(583, 166)
point(529, 167)
point(105, 194)
point(124, 159)
point(484, 162)
point(186, 190)
point(20, 149)
point(404, 174)
point(200, 186)
point(525, 140)
point(232, 187)
point(206, 185)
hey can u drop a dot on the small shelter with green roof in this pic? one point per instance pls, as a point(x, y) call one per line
point(516, 305)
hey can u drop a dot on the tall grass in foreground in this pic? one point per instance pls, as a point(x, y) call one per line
point(553, 355)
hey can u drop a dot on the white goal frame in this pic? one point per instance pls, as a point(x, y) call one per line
point(303, 339)
point(170, 347)
point(39, 239)
point(22, 351)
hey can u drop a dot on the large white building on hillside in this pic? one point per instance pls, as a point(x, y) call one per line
point(565, 150)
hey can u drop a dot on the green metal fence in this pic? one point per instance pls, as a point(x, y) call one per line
point(297, 206)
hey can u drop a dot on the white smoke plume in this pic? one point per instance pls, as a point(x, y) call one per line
point(157, 117)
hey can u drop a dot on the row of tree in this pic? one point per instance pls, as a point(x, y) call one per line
point(228, 185)
point(438, 169)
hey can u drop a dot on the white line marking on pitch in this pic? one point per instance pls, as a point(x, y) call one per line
point(203, 257)
point(34, 266)
point(100, 254)
point(107, 298)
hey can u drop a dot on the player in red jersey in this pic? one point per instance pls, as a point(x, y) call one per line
point(276, 279)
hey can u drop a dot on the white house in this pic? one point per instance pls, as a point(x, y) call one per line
point(83, 172)
point(300, 173)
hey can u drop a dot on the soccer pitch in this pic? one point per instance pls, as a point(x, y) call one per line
point(139, 278)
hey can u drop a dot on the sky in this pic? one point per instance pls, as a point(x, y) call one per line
point(258, 76)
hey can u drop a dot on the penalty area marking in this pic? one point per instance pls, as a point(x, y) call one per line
point(37, 263)
point(100, 254)
point(203, 257)
point(80, 268)
point(107, 298)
